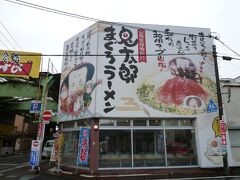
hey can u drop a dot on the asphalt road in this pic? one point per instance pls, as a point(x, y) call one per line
point(16, 168)
point(12, 161)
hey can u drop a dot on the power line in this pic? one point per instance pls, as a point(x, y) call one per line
point(11, 35)
point(4, 44)
point(7, 40)
point(229, 48)
point(53, 67)
point(228, 58)
point(44, 8)
point(123, 55)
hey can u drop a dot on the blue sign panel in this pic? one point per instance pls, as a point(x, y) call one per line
point(35, 106)
point(34, 159)
point(83, 148)
point(211, 106)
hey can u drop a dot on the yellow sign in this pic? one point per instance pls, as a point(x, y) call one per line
point(216, 127)
point(19, 63)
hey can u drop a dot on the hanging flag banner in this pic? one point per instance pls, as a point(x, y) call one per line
point(55, 151)
point(19, 64)
point(83, 147)
point(223, 136)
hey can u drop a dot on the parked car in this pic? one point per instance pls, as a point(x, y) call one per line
point(47, 149)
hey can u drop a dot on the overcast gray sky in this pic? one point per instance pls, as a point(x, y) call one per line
point(45, 32)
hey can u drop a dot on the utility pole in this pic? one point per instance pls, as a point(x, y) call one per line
point(220, 107)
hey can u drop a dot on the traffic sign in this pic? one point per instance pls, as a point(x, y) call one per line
point(211, 106)
point(47, 115)
point(35, 145)
point(35, 106)
point(35, 152)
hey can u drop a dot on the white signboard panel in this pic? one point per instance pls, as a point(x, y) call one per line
point(78, 78)
point(154, 71)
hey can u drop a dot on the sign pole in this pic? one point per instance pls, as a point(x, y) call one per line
point(220, 108)
point(40, 136)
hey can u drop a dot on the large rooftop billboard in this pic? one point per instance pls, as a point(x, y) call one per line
point(135, 70)
point(19, 63)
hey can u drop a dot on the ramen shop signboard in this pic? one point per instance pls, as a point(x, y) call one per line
point(136, 70)
point(19, 64)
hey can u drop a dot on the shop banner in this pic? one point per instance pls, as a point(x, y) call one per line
point(19, 64)
point(54, 152)
point(83, 147)
point(57, 149)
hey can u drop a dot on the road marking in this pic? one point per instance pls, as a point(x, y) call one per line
point(28, 177)
point(10, 176)
point(14, 156)
point(10, 169)
point(20, 166)
point(7, 164)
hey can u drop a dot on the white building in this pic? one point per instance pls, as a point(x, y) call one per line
point(147, 94)
point(230, 94)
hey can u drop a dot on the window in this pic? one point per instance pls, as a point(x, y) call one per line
point(186, 122)
point(181, 149)
point(123, 122)
point(49, 144)
point(68, 124)
point(171, 122)
point(71, 139)
point(107, 123)
point(83, 123)
point(115, 148)
point(148, 148)
point(155, 122)
point(147, 143)
point(139, 122)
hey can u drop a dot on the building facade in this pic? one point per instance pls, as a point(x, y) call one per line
point(230, 95)
point(147, 93)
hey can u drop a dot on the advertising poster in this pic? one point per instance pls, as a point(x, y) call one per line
point(78, 77)
point(19, 64)
point(136, 70)
point(152, 71)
